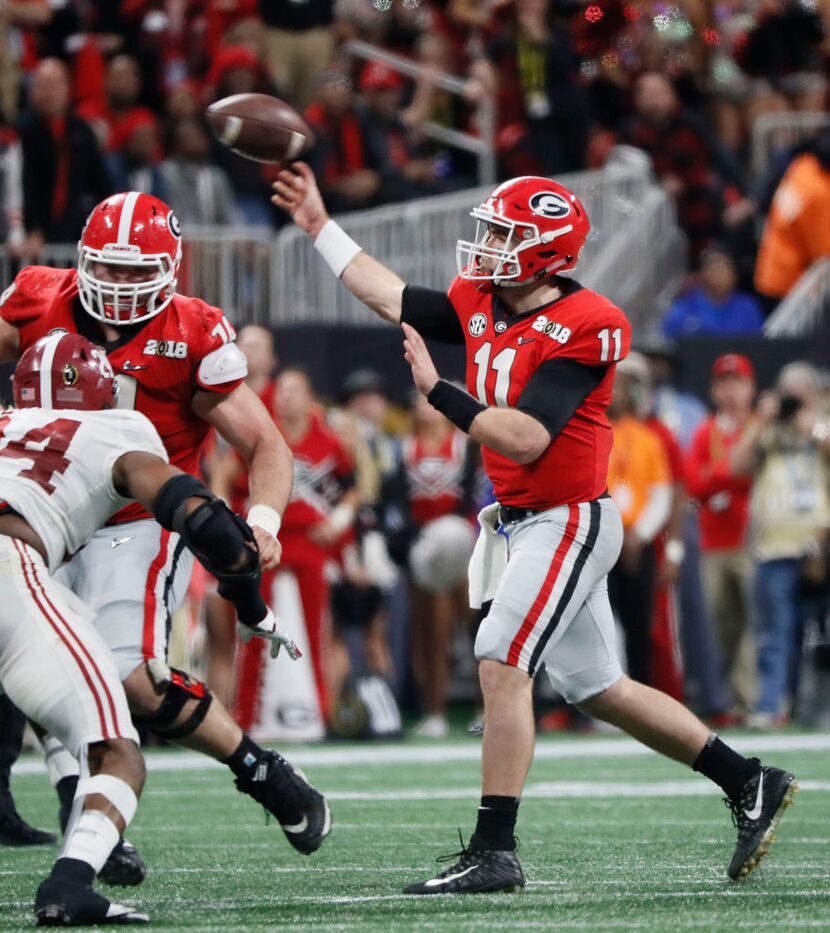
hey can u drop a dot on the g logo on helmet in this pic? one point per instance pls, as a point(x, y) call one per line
point(550, 204)
point(173, 224)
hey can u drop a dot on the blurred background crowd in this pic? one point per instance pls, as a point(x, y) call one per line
point(722, 588)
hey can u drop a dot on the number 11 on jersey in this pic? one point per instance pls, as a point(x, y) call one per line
point(605, 336)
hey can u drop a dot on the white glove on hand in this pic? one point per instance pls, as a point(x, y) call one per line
point(269, 630)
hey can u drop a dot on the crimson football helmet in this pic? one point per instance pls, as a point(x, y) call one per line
point(544, 227)
point(138, 238)
point(63, 370)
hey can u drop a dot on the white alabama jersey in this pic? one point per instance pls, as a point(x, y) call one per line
point(56, 469)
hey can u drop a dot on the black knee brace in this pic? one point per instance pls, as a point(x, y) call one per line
point(178, 689)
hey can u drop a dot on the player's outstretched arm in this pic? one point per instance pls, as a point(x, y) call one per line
point(244, 422)
point(376, 286)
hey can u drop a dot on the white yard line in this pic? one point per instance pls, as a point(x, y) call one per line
point(409, 753)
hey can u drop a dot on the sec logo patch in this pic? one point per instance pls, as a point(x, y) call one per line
point(477, 325)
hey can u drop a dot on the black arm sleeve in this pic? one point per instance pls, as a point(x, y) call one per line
point(431, 313)
point(555, 391)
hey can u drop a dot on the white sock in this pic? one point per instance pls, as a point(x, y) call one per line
point(91, 839)
point(59, 763)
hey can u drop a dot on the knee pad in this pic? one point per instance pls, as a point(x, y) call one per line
point(118, 792)
point(179, 687)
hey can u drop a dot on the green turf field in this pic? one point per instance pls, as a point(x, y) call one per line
point(612, 838)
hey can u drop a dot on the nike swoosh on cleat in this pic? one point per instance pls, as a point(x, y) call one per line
point(755, 812)
point(300, 827)
point(434, 882)
point(116, 541)
point(118, 913)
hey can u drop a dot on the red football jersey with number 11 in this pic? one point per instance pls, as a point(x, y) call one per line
point(158, 363)
point(503, 352)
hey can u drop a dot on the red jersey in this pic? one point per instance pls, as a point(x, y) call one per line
point(504, 351)
point(723, 495)
point(436, 479)
point(160, 364)
point(322, 471)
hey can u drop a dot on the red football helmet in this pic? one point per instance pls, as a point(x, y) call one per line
point(544, 227)
point(138, 236)
point(63, 370)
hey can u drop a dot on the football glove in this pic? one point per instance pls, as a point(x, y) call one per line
point(268, 630)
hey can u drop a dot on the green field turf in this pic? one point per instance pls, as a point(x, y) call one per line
point(611, 839)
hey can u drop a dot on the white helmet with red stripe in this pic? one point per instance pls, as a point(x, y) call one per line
point(543, 226)
point(63, 370)
point(130, 231)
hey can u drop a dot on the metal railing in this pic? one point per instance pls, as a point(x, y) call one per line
point(776, 133)
point(634, 253)
point(481, 146)
point(805, 308)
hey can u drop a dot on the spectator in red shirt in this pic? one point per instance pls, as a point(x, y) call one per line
point(340, 159)
point(113, 114)
point(727, 566)
point(319, 517)
point(64, 173)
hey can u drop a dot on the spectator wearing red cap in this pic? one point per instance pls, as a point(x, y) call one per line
point(713, 305)
point(236, 69)
point(723, 516)
point(407, 170)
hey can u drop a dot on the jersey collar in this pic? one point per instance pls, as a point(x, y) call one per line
point(502, 319)
point(88, 327)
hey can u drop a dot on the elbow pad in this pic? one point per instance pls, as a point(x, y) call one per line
point(221, 541)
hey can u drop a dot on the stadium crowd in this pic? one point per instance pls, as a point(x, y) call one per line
point(102, 97)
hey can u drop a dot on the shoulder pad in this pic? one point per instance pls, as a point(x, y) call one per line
point(226, 364)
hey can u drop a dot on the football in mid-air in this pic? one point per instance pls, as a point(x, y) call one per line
point(260, 127)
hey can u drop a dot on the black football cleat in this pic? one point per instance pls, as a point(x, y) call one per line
point(62, 904)
point(284, 791)
point(124, 867)
point(15, 831)
point(756, 813)
point(476, 871)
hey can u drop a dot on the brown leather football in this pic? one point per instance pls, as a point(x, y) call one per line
point(259, 127)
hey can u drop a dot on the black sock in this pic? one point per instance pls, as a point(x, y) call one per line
point(73, 870)
point(66, 788)
point(725, 766)
point(496, 823)
point(244, 760)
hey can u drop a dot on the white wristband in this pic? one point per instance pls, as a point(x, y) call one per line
point(263, 516)
point(675, 551)
point(336, 247)
point(341, 517)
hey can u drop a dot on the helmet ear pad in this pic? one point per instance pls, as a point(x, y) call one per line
point(133, 231)
point(63, 370)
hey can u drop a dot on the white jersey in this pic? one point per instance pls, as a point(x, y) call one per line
point(56, 470)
